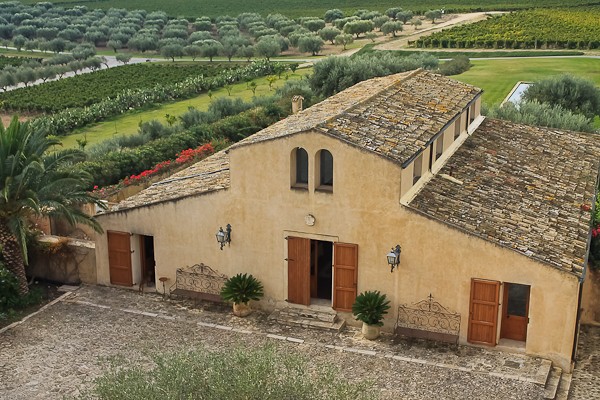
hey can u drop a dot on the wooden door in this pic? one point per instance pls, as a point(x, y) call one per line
point(298, 270)
point(515, 312)
point(345, 275)
point(119, 258)
point(483, 311)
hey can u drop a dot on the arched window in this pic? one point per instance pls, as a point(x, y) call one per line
point(325, 169)
point(300, 165)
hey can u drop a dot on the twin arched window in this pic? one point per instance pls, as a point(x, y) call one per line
point(323, 170)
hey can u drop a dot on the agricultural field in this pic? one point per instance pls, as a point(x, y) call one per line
point(497, 77)
point(311, 8)
point(86, 89)
point(534, 29)
point(129, 123)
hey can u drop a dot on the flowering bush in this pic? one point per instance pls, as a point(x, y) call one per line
point(182, 158)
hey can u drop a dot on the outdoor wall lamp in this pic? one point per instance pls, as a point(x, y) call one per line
point(393, 257)
point(224, 236)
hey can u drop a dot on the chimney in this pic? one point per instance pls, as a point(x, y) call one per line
point(297, 104)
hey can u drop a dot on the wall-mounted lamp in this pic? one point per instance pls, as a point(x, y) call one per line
point(393, 257)
point(224, 236)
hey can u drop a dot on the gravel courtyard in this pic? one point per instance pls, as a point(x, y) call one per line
point(58, 352)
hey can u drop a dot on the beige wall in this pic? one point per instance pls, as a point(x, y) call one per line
point(363, 209)
point(74, 263)
point(590, 303)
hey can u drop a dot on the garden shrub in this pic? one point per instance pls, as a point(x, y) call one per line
point(455, 66)
point(9, 291)
point(541, 114)
point(264, 373)
point(572, 93)
point(335, 74)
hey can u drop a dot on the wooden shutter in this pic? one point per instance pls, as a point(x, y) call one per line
point(298, 270)
point(345, 275)
point(483, 311)
point(119, 258)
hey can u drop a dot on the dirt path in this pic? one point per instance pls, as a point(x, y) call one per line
point(454, 20)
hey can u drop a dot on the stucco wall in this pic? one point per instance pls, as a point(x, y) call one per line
point(590, 303)
point(363, 209)
point(73, 264)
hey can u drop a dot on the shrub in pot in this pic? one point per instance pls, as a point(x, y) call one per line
point(370, 307)
point(239, 290)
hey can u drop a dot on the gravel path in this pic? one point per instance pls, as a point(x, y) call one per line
point(60, 351)
point(586, 375)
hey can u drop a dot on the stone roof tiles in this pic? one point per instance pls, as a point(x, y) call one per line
point(523, 187)
point(205, 176)
point(393, 116)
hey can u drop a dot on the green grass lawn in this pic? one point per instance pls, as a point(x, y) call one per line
point(497, 77)
point(127, 124)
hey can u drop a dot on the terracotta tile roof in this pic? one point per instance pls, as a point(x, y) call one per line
point(521, 187)
point(393, 116)
point(208, 175)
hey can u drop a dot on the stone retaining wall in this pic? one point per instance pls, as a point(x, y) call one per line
point(64, 260)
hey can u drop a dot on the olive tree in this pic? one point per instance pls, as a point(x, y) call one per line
point(358, 27)
point(329, 34)
point(310, 44)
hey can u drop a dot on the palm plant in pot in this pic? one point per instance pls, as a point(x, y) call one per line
point(370, 307)
point(239, 290)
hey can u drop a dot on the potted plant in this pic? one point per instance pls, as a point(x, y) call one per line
point(239, 290)
point(370, 307)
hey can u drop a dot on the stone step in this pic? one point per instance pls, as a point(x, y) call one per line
point(291, 319)
point(319, 314)
point(552, 383)
point(542, 374)
point(564, 387)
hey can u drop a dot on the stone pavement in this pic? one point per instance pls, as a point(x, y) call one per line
point(58, 352)
point(585, 384)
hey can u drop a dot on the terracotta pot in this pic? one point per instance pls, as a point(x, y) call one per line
point(370, 331)
point(241, 309)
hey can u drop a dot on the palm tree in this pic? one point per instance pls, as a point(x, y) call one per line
point(35, 182)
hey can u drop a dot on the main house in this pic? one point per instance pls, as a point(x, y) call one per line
point(491, 217)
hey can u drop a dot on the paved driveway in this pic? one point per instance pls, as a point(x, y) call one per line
point(59, 351)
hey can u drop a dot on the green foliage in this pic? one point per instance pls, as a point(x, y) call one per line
point(9, 291)
point(242, 288)
point(310, 44)
point(457, 65)
point(335, 74)
point(534, 113)
point(86, 89)
point(16, 61)
point(109, 167)
point(573, 28)
point(264, 373)
point(572, 93)
point(64, 121)
point(370, 307)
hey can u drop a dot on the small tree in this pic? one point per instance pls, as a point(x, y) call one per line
point(329, 34)
point(310, 44)
point(314, 25)
point(417, 23)
point(404, 16)
point(210, 48)
point(358, 27)
point(114, 44)
point(123, 57)
point(267, 48)
point(246, 52)
point(19, 42)
point(433, 15)
point(572, 93)
point(332, 15)
point(271, 79)
point(171, 51)
point(193, 51)
point(371, 36)
point(378, 21)
point(344, 40)
point(253, 86)
point(392, 27)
